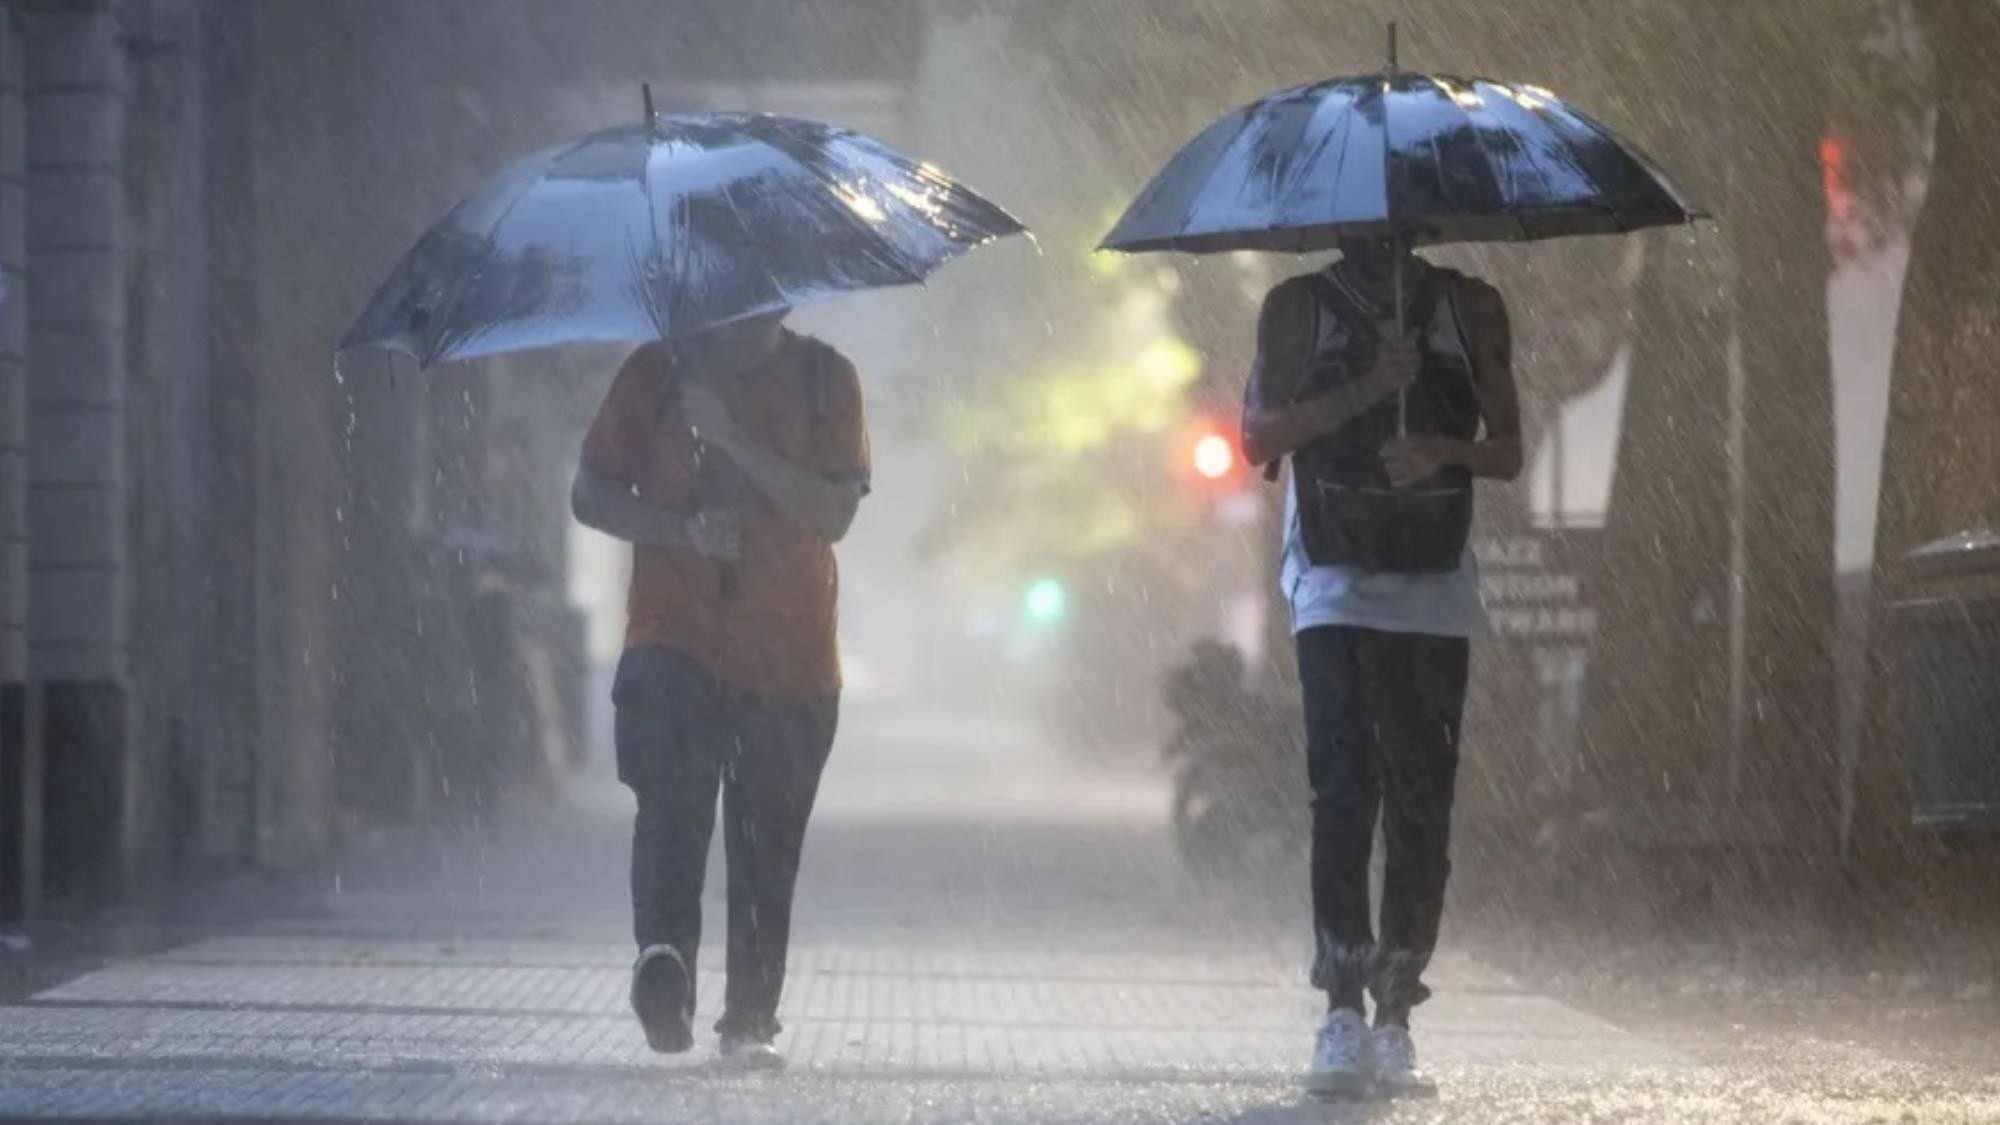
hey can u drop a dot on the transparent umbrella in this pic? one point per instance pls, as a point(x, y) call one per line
point(666, 227)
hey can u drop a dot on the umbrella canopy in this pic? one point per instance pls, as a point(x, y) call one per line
point(1427, 157)
point(658, 229)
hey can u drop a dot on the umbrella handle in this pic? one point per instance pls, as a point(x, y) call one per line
point(717, 485)
point(1402, 395)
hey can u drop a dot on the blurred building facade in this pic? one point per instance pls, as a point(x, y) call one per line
point(248, 598)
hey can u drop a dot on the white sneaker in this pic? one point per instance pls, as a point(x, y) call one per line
point(1340, 1057)
point(741, 1052)
point(1395, 1057)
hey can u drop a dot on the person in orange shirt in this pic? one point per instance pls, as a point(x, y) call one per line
point(732, 462)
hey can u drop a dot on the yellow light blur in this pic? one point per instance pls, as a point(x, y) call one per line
point(1166, 363)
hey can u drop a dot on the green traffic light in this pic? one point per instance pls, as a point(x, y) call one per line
point(1046, 600)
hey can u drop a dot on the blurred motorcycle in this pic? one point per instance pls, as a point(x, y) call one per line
point(1241, 807)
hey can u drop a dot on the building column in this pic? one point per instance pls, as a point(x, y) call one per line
point(234, 746)
point(76, 389)
point(20, 755)
point(167, 440)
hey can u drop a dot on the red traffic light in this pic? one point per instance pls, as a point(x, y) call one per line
point(1214, 456)
point(1205, 456)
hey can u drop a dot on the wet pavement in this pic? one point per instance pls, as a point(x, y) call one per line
point(984, 935)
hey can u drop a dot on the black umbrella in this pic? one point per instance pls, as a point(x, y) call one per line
point(1426, 158)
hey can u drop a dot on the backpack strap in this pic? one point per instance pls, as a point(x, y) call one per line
point(1327, 298)
point(1432, 288)
point(1334, 298)
point(1322, 290)
point(1450, 284)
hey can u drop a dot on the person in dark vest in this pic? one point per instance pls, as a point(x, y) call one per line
point(732, 462)
point(1386, 432)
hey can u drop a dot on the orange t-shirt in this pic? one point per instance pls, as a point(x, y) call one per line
point(775, 635)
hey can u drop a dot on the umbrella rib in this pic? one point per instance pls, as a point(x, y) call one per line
point(670, 271)
point(743, 223)
point(1479, 136)
point(1613, 143)
point(1346, 140)
point(430, 355)
point(1597, 188)
point(911, 274)
point(1215, 168)
point(1339, 132)
point(1528, 154)
point(1388, 148)
point(653, 309)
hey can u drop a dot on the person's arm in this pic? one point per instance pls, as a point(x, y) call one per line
point(605, 504)
point(1275, 421)
point(822, 501)
point(1497, 454)
point(604, 496)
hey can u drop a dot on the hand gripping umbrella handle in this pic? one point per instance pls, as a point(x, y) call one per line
point(717, 483)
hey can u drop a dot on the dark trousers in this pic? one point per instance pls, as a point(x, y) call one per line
point(1382, 717)
point(682, 736)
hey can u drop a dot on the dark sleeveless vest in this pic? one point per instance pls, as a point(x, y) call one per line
point(1349, 515)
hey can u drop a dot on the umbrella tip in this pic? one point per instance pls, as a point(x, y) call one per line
point(1392, 46)
point(646, 93)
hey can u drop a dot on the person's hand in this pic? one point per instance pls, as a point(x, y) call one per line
point(1414, 458)
point(704, 410)
point(1397, 362)
point(716, 533)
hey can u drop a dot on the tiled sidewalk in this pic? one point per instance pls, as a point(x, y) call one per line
point(282, 1025)
point(969, 950)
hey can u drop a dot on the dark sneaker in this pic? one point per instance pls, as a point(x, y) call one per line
point(748, 1053)
point(663, 998)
